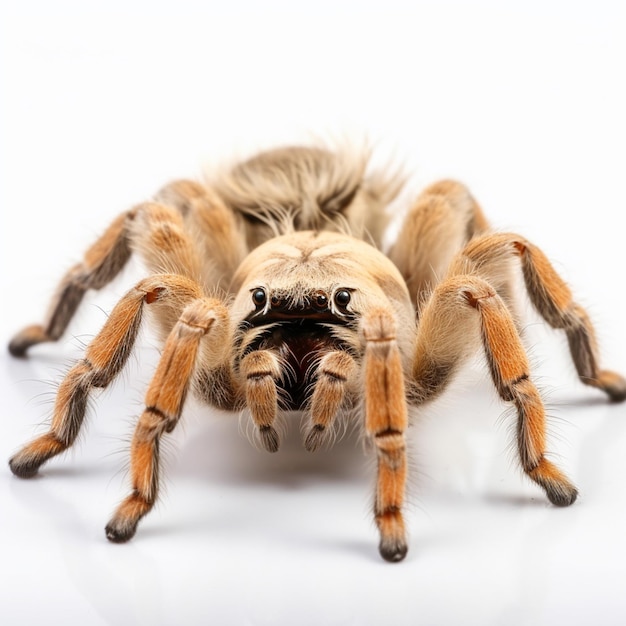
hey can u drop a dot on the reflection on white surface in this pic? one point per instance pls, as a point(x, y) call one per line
point(523, 101)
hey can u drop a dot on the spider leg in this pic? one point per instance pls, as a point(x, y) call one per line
point(104, 359)
point(553, 300)
point(187, 230)
point(101, 263)
point(215, 229)
point(203, 318)
point(333, 375)
point(385, 423)
point(465, 307)
point(158, 235)
point(443, 219)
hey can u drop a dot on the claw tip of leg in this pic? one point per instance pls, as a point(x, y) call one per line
point(24, 469)
point(393, 552)
point(563, 498)
point(18, 348)
point(119, 534)
point(29, 336)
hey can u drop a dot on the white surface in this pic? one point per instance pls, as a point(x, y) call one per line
point(100, 106)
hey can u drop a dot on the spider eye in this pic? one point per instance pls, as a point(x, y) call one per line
point(342, 298)
point(258, 297)
point(320, 300)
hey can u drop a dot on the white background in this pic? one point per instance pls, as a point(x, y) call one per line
point(103, 102)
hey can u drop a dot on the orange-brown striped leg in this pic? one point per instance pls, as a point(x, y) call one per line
point(443, 219)
point(104, 359)
point(261, 369)
point(553, 300)
point(509, 369)
point(447, 334)
point(449, 331)
point(386, 422)
point(333, 374)
point(164, 403)
point(101, 263)
point(159, 236)
point(220, 237)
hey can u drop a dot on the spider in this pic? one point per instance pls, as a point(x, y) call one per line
point(270, 292)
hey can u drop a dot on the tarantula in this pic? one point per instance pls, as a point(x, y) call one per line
point(271, 294)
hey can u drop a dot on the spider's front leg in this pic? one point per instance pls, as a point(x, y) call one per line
point(202, 333)
point(463, 313)
point(385, 423)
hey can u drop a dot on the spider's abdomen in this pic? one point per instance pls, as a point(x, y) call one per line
point(303, 188)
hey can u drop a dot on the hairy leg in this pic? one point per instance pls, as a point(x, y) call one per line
point(187, 231)
point(441, 221)
point(101, 263)
point(104, 358)
point(464, 312)
point(205, 318)
point(385, 423)
point(217, 232)
point(551, 297)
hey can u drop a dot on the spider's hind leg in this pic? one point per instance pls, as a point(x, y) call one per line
point(187, 230)
point(101, 263)
point(553, 299)
point(214, 229)
point(440, 222)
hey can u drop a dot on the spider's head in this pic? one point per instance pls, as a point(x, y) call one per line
point(330, 305)
point(321, 278)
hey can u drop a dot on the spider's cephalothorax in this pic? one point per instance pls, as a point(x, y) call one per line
point(313, 317)
point(302, 299)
